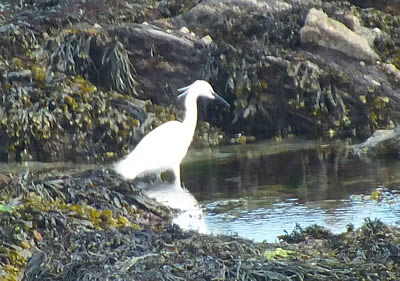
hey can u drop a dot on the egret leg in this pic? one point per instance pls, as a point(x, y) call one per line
point(158, 177)
point(177, 174)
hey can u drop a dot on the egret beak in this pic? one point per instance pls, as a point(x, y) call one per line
point(184, 91)
point(221, 99)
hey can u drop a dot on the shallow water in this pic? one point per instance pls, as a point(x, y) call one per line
point(259, 191)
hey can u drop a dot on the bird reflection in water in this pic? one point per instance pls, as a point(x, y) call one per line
point(173, 195)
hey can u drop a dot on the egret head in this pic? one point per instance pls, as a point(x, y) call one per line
point(201, 88)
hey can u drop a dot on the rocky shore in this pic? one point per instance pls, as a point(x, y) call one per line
point(86, 79)
point(94, 226)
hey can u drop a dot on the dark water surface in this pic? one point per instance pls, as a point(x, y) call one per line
point(260, 190)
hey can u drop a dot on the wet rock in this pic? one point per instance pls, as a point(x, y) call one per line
point(391, 6)
point(321, 30)
point(174, 57)
point(215, 18)
point(19, 76)
point(383, 143)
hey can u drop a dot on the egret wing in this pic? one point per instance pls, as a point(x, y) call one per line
point(161, 149)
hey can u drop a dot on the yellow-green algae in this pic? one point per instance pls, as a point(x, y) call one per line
point(278, 253)
point(19, 255)
point(55, 108)
point(101, 219)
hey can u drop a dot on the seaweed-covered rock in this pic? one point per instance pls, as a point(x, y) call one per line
point(251, 51)
point(65, 118)
point(370, 252)
point(88, 53)
point(279, 86)
point(37, 209)
point(85, 225)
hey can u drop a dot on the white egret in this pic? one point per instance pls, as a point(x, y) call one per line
point(165, 147)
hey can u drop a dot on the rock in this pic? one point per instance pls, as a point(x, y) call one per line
point(323, 31)
point(184, 29)
point(391, 70)
point(18, 76)
point(210, 17)
point(381, 143)
point(352, 22)
point(169, 56)
point(207, 40)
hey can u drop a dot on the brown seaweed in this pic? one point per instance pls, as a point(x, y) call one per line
point(92, 225)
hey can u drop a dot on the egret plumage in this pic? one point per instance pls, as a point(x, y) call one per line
point(165, 147)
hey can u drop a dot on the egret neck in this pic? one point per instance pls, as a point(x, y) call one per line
point(190, 120)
